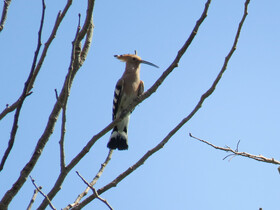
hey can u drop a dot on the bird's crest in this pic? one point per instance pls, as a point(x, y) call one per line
point(133, 58)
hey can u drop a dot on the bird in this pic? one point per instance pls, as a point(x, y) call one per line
point(128, 87)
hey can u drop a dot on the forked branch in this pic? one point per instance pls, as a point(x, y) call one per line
point(92, 183)
point(94, 191)
point(39, 189)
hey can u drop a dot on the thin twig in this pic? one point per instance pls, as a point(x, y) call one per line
point(61, 141)
point(40, 191)
point(237, 153)
point(93, 182)
point(102, 167)
point(4, 13)
point(33, 198)
point(64, 105)
point(88, 21)
point(56, 94)
point(94, 191)
point(233, 155)
point(25, 92)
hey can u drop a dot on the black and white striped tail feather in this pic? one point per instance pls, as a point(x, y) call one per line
point(118, 139)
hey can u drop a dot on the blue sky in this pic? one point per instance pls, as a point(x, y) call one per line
point(185, 174)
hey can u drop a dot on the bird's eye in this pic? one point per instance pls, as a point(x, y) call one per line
point(134, 59)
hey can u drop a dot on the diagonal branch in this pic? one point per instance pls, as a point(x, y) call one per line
point(59, 18)
point(93, 182)
point(94, 191)
point(33, 198)
point(62, 134)
point(39, 189)
point(25, 92)
point(185, 120)
point(235, 152)
point(4, 13)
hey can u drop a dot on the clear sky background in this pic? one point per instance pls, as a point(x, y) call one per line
point(185, 174)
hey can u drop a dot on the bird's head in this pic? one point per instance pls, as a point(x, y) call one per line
point(133, 60)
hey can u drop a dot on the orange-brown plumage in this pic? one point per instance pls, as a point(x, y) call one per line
point(127, 89)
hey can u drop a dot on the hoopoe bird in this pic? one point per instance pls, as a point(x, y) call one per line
point(128, 87)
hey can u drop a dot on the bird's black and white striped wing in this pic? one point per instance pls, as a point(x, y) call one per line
point(117, 97)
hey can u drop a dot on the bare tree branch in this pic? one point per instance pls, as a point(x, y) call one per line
point(4, 13)
point(61, 141)
point(77, 52)
point(24, 92)
point(59, 18)
point(64, 105)
point(33, 198)
point(236, 153)
point(9, 108)
point(40, 191)
point(87, 43)
point(93, 182)
point(88, 21)
point(58, 21)
point(94, 191)
point(9, 195)
point(172, 132)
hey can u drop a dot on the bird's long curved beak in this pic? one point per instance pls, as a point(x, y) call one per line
point(149, 63)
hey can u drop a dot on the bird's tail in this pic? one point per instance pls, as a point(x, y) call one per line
point(118, 140)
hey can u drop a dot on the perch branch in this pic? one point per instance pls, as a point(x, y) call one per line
point(172, 132)
point(149, 92)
